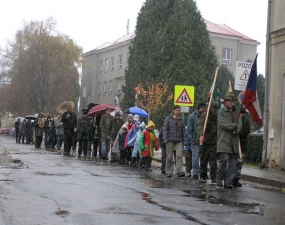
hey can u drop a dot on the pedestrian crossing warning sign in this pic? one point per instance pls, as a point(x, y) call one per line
point(245, 75)
point(184, 95)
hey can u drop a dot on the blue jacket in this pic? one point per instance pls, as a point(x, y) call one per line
point(192, 127)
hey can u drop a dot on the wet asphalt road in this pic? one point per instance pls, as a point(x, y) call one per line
point(37, 187)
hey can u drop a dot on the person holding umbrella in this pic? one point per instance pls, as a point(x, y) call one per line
point(69, 120)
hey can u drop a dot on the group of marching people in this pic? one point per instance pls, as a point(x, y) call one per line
point(208, 137)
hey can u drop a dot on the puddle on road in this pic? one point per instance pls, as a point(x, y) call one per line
point(249, 208)
point(51, 174)
point(62, 213)
point(147, 198)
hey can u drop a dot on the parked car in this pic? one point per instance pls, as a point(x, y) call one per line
point(259, 131)
point(13, 132)
point(4, 131)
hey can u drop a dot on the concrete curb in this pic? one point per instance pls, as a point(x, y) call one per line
point(277, 184)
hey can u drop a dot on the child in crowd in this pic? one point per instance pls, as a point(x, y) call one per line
point(147, 143)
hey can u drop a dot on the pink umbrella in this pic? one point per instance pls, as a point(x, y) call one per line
point(99, 109)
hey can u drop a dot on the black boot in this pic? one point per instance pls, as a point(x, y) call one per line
point(134, 162)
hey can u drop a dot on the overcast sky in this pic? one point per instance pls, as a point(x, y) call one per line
point(93, 22)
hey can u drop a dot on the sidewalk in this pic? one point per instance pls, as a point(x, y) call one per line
point(273, 178)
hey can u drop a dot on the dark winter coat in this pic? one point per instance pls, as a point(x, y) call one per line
point(173, 133)
point(71, 122)
point(17, 126)
point(96, 131)
point(122, 138)
point(104, 125)
point(115, 126)
point(83, 128)
point(228, 142)
point(49, 127)
point(39, 131)
point(210, 136)
point(28, 128)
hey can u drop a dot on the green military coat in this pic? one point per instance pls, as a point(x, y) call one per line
point(227, 142)
point(210, 136)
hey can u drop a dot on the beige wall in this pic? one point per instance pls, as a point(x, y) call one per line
point(276, 145)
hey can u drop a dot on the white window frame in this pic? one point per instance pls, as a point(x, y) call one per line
point(119, 85)
point(106, 65)
point(84, 91)
point(227, 56)
point(112, 63)
point(120, 61)
point(100, 66)
point(128, 54)
point(105, 88)
point(99, 89)
point(110, 87)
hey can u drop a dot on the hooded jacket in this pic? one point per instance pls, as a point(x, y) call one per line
point(147, 143)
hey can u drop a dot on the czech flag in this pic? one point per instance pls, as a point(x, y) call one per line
point(250, 99)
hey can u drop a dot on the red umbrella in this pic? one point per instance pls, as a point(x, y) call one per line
point(99, 109)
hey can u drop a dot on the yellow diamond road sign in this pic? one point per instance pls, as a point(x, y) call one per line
point(184, 95)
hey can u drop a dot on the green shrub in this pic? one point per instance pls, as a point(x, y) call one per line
point(254, 149)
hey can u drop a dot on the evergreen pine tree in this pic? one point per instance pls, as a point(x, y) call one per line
point(172, 45)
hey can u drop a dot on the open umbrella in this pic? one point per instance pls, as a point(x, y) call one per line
point(31, 117)
point(63, 107)
point(21, 119)
point(99, 109)
point(140, 112)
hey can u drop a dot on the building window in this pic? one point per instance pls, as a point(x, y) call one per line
point(128, 59)
point(106, 65)
point(227, 56)
point(120, 61)
point(100, 66)
point(99, 89)
point(110, 87)
point(105, 88)
point(84, 91)
point(112, 63)
point(119, 85)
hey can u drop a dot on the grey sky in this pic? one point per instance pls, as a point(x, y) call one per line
point(93, 22)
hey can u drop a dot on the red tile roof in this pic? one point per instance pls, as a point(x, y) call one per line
point(224, 30)
point(213, 28)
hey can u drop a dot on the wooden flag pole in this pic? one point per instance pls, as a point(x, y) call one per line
point(210, 101)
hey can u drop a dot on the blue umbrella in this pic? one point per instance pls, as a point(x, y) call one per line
point(138, 111)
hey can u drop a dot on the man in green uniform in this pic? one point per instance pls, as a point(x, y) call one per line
point(229, 126)
point(208, 150)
